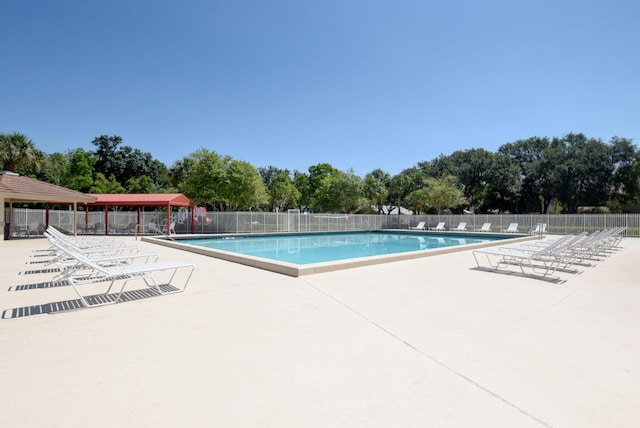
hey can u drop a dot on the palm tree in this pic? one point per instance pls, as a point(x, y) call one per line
point(16, 150)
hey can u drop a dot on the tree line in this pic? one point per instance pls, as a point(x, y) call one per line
point(524, 176)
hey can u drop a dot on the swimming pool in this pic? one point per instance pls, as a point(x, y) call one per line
point(328, 247)
point(305, 253)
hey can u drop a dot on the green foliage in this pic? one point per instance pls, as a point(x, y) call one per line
point(443, 193)
point(269, 173)
point(625, 180)
point(317, 173)
point(375, 187)
point(480, 178)
point(79, 174)
point(584, 176)
point(418, 200)
point(103, 185)
point(72, 169)
point(283, 194)
point(125, 162)
point(438, 194)
point(399, 187)
point(301, 183)
point(109, 159)
point(531, 155)
point(243, 189)
point(522, 176)
point(181, 170)
point(220, 182)
point(19, 154)
point(56, 171)
point(338, 192)
point(143, 184)
point(203, 174)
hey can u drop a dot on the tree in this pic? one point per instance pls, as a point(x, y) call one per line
point(309, 187)
point(399, 187)
point(375, 188)
point(103, 185)
point(283, 194)
point(242, 188)
point(504, 185)
point(489, 181)
point(473, 169)
point(109, 160)
point(143, 184)
point(301, 183)
point(269, 173)
point(159, 174)
point(418, 201)
point(56, 170)
point(438, 167)
point(551, 171)
point(79, 174)
point(339, 192)
point(181, 171)
point(19, 154)
point(625, 188)
point(203, 175)
point(125, 162)
point(585, 175)
point(220, 182)
point(535, 190)
point(636, 177)
point(72, 169)
point(443, 193)
point(317, 173)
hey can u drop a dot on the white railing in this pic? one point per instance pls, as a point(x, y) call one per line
point(126, 222)
point(561, 224)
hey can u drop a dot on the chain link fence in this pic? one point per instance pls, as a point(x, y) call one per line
point(140, 222)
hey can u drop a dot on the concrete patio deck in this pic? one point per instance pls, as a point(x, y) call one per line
point(429, 342)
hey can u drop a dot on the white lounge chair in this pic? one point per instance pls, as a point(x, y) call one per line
point(581, 249)
point(99, 274)
point(485, 228)
point(84, 242)
point(88, 246)
point(420, 226)
point(540, 229)
point(440, 227)
point(585, 247)
point(98, 228)
point(539, 262)
point(462, 226)
point(172, 228)
point(69, 265)
point(153, 228)
point(163, 228)
point(35, 229)
point(513, 228)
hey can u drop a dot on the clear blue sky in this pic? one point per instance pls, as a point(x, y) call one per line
point(293, 83)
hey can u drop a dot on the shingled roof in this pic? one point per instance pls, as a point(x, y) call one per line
point(18, 188)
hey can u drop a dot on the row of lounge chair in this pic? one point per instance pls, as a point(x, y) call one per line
point(545, 257)
point(540, 228)
point(100, 263)
point(35, 228)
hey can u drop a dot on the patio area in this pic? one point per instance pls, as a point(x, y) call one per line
point(424, 342)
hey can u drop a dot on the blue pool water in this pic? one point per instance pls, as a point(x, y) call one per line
point(327, 247)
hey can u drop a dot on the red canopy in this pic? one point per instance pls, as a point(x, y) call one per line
point(140, 200)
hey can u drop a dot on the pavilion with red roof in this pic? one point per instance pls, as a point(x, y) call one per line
point(140, 200)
